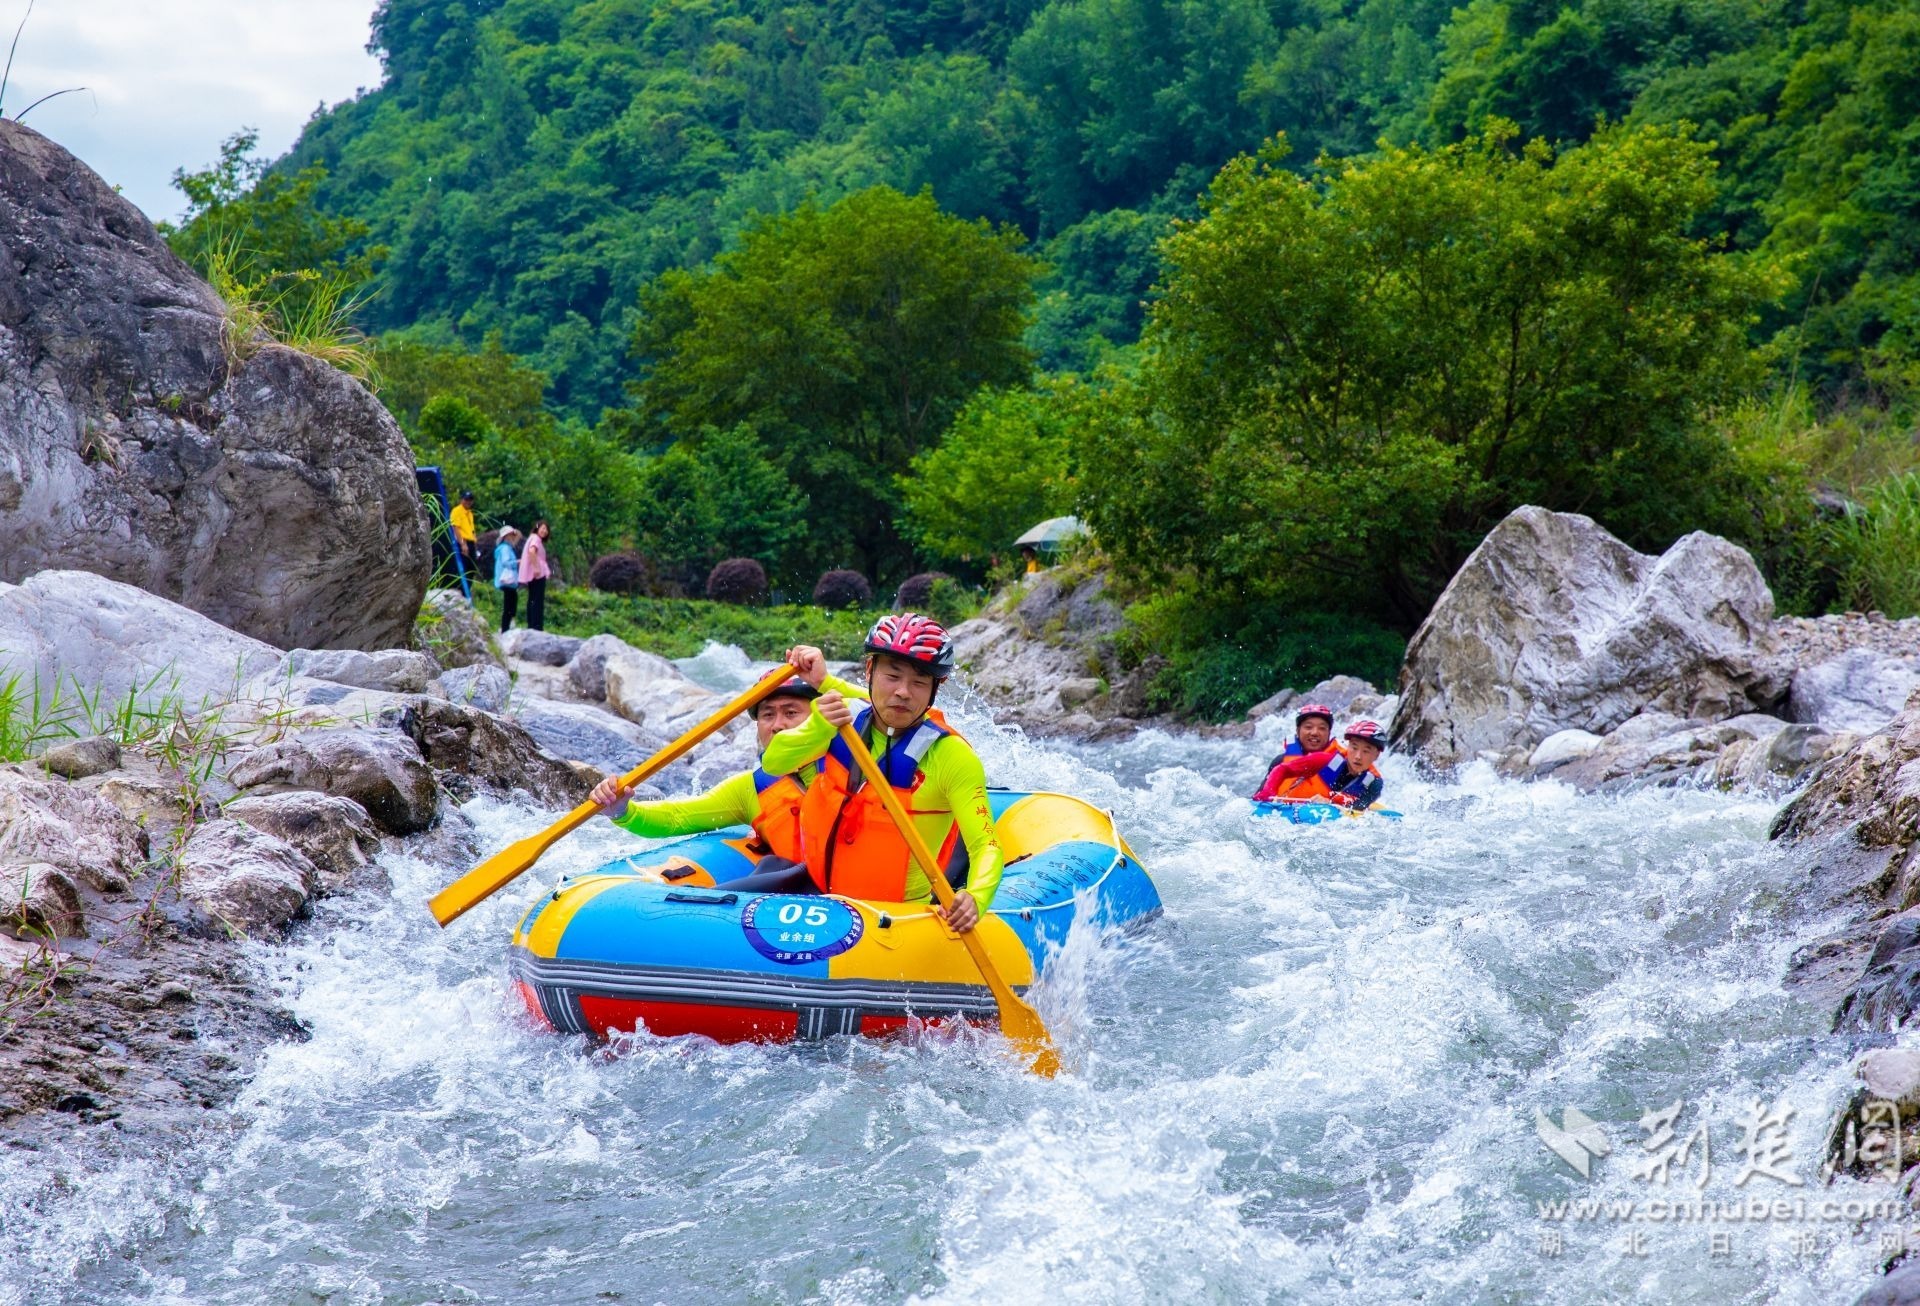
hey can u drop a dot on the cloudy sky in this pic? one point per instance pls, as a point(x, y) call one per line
point(168, 80)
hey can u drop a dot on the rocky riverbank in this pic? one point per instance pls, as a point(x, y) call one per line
point(233, 785)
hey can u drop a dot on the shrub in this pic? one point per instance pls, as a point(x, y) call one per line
point(621, 573)
point(1877, 547)
point(737, 580)
point(916, 592)
point(842, 589)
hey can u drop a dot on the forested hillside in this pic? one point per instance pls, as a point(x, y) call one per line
point(531, 163)
point(1651, 259)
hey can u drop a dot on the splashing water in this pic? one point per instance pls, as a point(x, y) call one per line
point(1316, 1078)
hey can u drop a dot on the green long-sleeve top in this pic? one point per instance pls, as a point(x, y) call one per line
point(955, 780)
point(733, 801)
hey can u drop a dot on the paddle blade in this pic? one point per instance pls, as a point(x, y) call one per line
point(1023, 1028)
point(483, 880)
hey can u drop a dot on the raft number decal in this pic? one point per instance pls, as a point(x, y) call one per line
point(794, 931)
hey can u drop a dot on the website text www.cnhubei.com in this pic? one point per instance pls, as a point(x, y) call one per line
point(1749, 1210)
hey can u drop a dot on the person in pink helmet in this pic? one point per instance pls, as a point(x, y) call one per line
point(1345, 776)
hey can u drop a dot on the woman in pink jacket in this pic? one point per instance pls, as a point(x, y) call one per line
point(533, 575)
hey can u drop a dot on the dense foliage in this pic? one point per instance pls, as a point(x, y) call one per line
point(820, 285)
point(1351, 379)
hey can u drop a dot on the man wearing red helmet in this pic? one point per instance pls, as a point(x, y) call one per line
point(848, 841)
point(765, 799)
point(1344, 776)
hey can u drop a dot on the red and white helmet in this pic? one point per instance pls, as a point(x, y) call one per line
point(1368, 731)
point(1306, 710)
point(920, 640)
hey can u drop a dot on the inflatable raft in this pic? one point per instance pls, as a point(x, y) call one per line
point(1311, 812)
point(648, 941)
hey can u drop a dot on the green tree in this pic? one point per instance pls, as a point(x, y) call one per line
point(845, 337)
point(496, 384)
point(1350, 380)
point(1007, 462)
point(262, 231)
point(717, 496)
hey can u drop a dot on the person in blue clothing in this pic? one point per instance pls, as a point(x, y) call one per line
point(1346, 777)
point(506, 575)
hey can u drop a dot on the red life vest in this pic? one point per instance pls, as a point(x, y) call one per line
point(1318, 786)
point(778, 824)
point(851, 845)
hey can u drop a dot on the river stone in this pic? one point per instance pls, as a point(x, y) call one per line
point(65, 826)
point(1268, 706)
point(76, 759)
point(1553, 624)
point(453, 632)
point(245, 877)
point(1901, 1287)
point(1338, 693)
point(1860, 690)
point(109, 638)
point(381, 770)
point(587, 669)
point(1892, 1075)
point(335, 834)
point(38, 896)
point(471, 750)
point(583, 733)
point(1561, 747)
point(270, 491)
point(485, 687)
point(394, 670)
point(539, 646)
point(651, 691)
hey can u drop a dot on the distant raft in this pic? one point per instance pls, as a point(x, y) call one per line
point(1313, 812)
point(648, 941)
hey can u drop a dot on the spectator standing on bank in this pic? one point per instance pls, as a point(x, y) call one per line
point(465, 537)
point(533, 575)
point(506, 575)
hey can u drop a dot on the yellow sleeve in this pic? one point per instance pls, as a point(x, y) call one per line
point(790, 750)
point(462, 520)
point(845, 688)
point(731, 802)
point(956, 770)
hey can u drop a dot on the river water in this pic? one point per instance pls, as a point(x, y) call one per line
point(1315, 1079)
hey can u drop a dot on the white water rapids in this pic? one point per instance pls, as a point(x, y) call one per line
point(1315, 1079)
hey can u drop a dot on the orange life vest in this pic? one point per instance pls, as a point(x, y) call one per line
point(851, 844)
point(778, 824)
point(1317, 786)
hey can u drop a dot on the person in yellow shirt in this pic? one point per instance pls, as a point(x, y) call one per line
point(769, 801)
point(465, 537)
point(847, 840)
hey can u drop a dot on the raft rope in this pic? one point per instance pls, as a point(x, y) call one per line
point(886, 920)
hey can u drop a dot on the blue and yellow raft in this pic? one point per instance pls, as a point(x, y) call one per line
point(648, 941)
point(1314, 812)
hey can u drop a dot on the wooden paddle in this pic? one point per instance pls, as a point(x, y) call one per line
point(490, 876)
point(1018, 1021)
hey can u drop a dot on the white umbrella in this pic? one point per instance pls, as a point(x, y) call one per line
point(1053, 531)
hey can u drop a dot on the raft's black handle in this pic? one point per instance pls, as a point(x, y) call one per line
point(720, 901)
point(678, 872)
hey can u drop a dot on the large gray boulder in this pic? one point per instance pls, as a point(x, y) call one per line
point(453, 632)
point(650, 691)
point(255, 484)
point(1859, 690)
point(472, 751)
point(1855, 829)
point(245, 877)
point(379, 769)
point(480, 685)
point(539, 646)
point(1553, 624)
point(107, 637)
